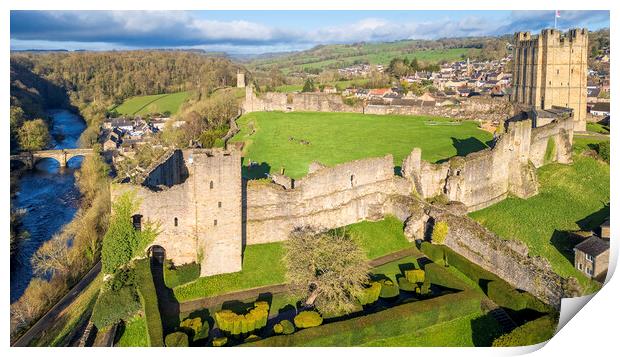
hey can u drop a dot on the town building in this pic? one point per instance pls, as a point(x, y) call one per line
point(592, 257)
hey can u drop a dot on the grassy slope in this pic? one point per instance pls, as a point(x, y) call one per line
point(146, 104)
point(340, 137)
point(135, 333)
point(568, 195)
point(597, 128)
point(68, 320)
point(374, 53)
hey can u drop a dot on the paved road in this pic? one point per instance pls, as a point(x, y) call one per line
point(47, 319)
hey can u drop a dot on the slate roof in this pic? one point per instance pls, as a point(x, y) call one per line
point(601, 107)
point(593, 246)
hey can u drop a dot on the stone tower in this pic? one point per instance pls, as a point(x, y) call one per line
point(240, 79)
point(551, 70)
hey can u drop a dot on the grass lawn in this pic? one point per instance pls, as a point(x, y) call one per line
point(135, 334)
point(477, 329)
point(597, 128)
point(340, 137)
point(160, 103)
point(571, 197)
point(261, 266)
point(67, 321)
point(379, 238)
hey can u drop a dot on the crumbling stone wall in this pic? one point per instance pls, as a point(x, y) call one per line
point(267, 102)
point(508, 259)
point(485, 177)
point(329, 197)
point(321, 102)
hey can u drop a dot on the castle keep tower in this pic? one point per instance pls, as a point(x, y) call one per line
point(551, 70)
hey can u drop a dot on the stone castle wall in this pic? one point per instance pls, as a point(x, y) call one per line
point(329, 197)
point(200, 218)
point(485, 177)
point(477, 108)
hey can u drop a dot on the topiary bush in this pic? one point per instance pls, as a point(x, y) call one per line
point(406, 285)
point(306, 319)
point(370, 294)
point(236, 324)
point(220, 341)
point(415, 276)
point(192, 327)
point(287, 327)
point(389, 290)
point(177, 339)
point(440, 232)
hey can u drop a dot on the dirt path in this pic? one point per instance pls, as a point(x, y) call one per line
point(48, 319)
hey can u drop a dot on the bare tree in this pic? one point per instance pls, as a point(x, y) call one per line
point(52, 257)
point(327, 269)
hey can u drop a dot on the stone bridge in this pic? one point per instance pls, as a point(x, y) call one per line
point(31, 158)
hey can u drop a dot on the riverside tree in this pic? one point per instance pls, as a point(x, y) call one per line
point(33, 135)
point(327, 269)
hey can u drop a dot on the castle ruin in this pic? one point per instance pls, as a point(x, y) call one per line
point(550, 73)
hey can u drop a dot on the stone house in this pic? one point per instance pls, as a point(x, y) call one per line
point(600, 109)
point(592, 257)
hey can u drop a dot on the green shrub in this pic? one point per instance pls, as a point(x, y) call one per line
point(389, 289)
point(306, 319)
point(603, 150)
point(287, 327)
point(235, 324)
point(220, 341)
point(440, 232)
point(434, 252)
point(415, 276)
point(370, 294)
point(177, 339)
point(194, 328)
point(124, 277)
point(530, 333)
point(113, 306)
point(406, 285)
point(148, 297)
point(251, 338)
point(426, 287)
point(179, 275)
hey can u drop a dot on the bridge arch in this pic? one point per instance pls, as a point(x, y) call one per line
point(75, 161)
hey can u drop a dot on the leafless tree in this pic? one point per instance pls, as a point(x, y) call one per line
point(327, 269)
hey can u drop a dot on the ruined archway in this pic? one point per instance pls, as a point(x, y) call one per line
point(157, 253)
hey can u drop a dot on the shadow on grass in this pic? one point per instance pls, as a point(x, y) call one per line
point(484, 330)
point(255, 171)
point(594, 220)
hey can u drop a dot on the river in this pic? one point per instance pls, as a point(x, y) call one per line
point(49, 196)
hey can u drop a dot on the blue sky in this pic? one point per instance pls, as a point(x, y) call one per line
point(253, 32)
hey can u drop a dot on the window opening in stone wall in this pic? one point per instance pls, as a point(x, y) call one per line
point(137, 222)
point(219, 204)
point(352, 178)
point(215, 222)
point(211, 185)
point(176, 222)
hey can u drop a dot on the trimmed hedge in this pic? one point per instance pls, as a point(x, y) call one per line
point(148, 297)
point(220, 341)
point(395, 321)
point(113, 306)
point(370, 294)
point(440, 232)
point(195, 328)
point(415, 276)
point(179, 275)
point(306, 319)
point(235, 324)
point(177, 339)
point(530, 333)
point(406, 285)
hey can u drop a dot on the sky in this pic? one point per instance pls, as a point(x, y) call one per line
point(255, 32)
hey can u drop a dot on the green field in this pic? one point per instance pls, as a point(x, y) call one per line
point(379, 238)
point(146, 104)
point(571, 197)
point(597, 128)
point(340, 56)
point(134, 333)
point(336, 138)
